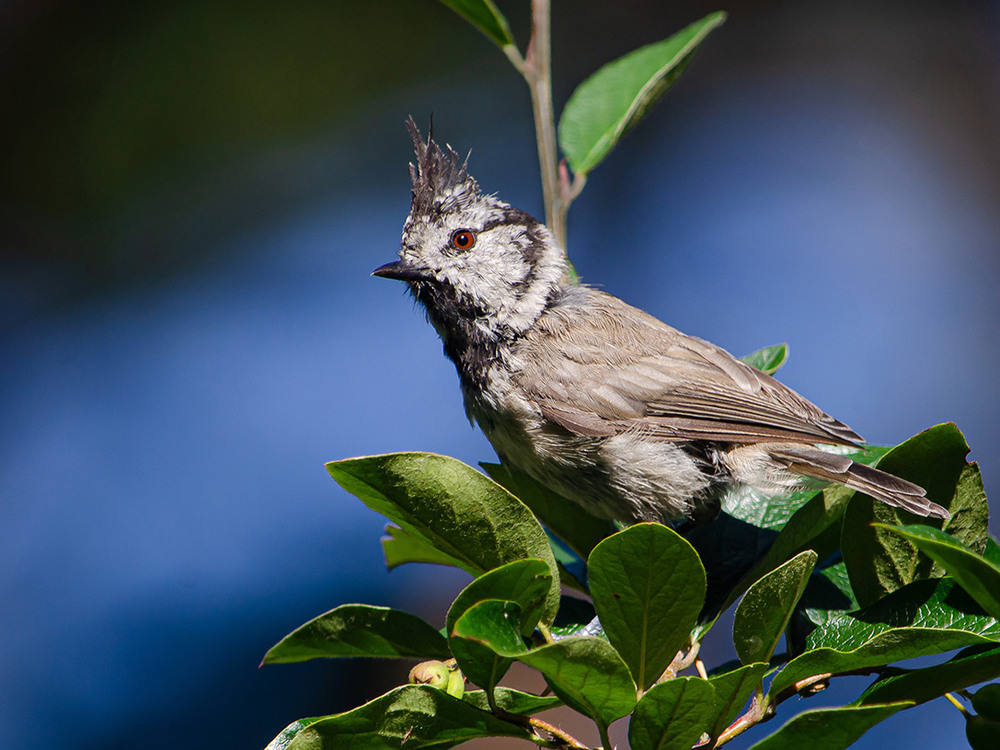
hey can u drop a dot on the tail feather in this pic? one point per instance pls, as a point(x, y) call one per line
point(887, 488)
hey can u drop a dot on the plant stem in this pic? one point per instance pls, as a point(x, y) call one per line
point(605, 739)
point(537, 71)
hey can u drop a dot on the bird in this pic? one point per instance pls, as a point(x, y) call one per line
point(591, 397)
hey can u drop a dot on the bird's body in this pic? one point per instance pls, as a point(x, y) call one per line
point(592, 397)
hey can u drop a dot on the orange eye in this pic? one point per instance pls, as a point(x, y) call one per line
point(463, 239)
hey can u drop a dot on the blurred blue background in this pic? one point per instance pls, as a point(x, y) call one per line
point(193, 195)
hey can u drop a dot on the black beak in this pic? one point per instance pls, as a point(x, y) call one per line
point(403, 272)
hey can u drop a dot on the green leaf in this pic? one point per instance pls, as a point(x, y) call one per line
point(413, 716)
point(566, 519)
point(969, 667)
point(404, 547)
point(765, 610)
point(732, 689)
point(890, 646)
point(525, 582)
point(973, 573)
point(360, 630)
point(880, 562)
point(587, 674)
point(769, 359)
point(828, 728)
point(485, 16)
point(452, 507)
point(672, 715)
point(648, 586)
point(513, 701)
point(932, 603)
point(609, 103)
point(484, 639)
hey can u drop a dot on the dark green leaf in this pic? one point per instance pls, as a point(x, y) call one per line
point(413, 716)
point(992, 551)
point(767, 607)
point(885, 648)
point(672, 715)
point(588, 675)
point(828, 728)
point(526, 582)
point(969, 667)
point(986, 701)
point(567, 520)
point(982, 733)
point(973, 573)
point(648, 586)
point(360, 630)
point(403, 547)
point(484, 639)
point(879, 562)
point(732, 690)
point(513, 701)
point(485, 16)
point(769, 359)
point(930, 603)
point(609, 103)
point(452, 507)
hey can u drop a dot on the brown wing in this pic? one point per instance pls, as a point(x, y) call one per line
point(597, 366)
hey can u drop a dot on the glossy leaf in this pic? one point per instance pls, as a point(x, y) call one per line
point(769, 359)
point(485, 16)
point(767, 607)
point(588, 675)
point(969, 667)
point(880, 562)
point(525, 582)
point(732, 690)
point(484, 638)
point(973, 572)
point(931, 603)
point(401, 547)
point(828, 728)
point(567, 520)
point(513, 701)
point(672, 715)
point(885, 648)
point(609, 103)
point(648, 586)
point(412, 716)
point(360, 630)
point(452, 507)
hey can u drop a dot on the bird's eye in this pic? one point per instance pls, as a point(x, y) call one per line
point(463, 239)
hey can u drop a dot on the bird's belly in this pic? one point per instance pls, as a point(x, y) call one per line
point(626, 477)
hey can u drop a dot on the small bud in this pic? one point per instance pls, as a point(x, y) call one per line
point(433, 673)
point(456, 683)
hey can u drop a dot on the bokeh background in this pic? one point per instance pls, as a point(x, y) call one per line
point(193, 194)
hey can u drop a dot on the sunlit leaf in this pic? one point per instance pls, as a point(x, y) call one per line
point(828, 728)
point(648, 587)
point(609, 103)
point(525, 582)
point(401, 547)
point(980, 578)
point(767, 607)
point(412, 716)
point(453, 508)
point(769, 359)
point(880, 562)
point(360, 630)
point(969, 667)
point(732, 689)
point(672, 715)
point(484, 637)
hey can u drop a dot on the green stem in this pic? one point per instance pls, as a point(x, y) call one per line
point(605, 739)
